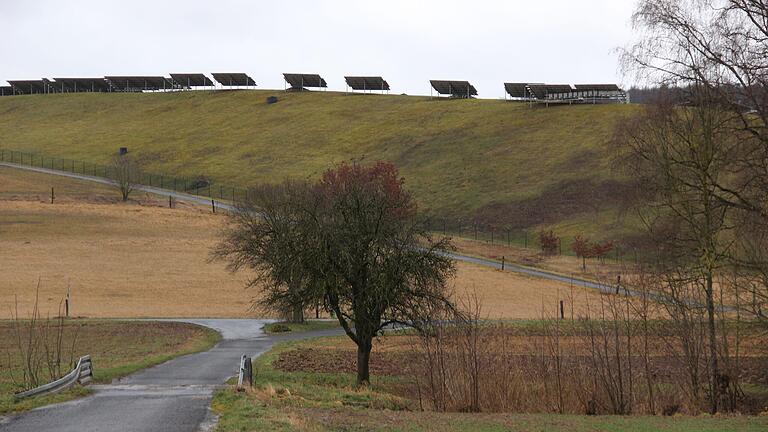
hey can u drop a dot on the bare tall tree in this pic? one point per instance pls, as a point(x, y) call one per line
point(265, 235)
point(125, 174)
point(720, 46)
point(683, 155)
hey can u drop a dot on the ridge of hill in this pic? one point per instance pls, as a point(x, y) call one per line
point(500, 162)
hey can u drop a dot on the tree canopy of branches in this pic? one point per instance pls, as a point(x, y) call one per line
point(681, 154)
point(351, 241)
point(720, 47)
point(703, 161)
point(584, 248)
point(125, 174)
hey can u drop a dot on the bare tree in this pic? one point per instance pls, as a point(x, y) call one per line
point(265, 236)
point(125, 174)
point(682, 155)
point(353, 239)
point(720, 46)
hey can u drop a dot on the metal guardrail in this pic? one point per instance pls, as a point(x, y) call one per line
point(82, 374)
point(245, 375)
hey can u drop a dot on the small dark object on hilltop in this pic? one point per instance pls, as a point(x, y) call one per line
point(271, 100)
point(123, 150)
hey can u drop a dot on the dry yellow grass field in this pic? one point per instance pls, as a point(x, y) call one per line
point(142, 259)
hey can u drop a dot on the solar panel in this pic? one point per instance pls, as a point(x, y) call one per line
point(558, 88)
point(234, 79)
point(538, 91)
point(6, 91)
point(597, 87)
point(454, 88)
point(80, 85)
point(191, 80)
point(516, 90)
point(31, 86)
point(139, 83)
point(367, 83)
point(299, 81)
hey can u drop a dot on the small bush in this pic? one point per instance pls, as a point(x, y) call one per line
point(549, 242)
point(279, 328)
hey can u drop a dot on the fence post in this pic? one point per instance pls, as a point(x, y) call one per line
point(52, 195)
point(213, 206)
point(502, 262)
point(170, 201)
point(562, 311)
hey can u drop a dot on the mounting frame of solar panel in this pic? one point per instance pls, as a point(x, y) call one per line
point(40, 86)
point(189, 80)
point(367, 83)
point(559, 91)
point(234, 79)
point(139, 83)
point(450, 87)
point(81, 85)
point(299, 81)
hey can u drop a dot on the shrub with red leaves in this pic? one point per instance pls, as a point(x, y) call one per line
point(549, 242)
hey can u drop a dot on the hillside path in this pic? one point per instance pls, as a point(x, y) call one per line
point(174, 396)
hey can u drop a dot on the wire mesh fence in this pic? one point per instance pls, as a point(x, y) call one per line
point(197, 185)
point(203, 187)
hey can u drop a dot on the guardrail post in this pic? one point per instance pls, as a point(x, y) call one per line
point(245, 373)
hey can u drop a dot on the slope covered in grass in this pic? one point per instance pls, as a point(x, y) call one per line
point(507, 162)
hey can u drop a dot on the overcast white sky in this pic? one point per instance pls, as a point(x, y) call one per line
point(486, 42)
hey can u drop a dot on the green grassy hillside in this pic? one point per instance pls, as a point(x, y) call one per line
point(504, 161)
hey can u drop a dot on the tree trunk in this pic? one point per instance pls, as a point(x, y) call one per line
point(297, 315)
point(363, 358)
point(715, 370)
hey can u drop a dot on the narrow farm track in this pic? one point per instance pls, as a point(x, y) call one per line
point(174, 396)
point(229, 207)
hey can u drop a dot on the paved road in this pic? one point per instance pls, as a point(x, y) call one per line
point(206, 201)
point(174, 396)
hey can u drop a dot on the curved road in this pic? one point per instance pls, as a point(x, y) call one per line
point(174, 396)
point(206, 202)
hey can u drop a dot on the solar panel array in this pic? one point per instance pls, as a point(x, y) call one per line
point(229, 79)
point(77, 85)
point(565, 93)
point(189, 80)
point(139, 83)
point(366, 83)
point(300, 81)
point(31, 86)
point(458, 89)
point(534, 92)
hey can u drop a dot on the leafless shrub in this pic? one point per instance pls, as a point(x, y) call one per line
point(125, 174)
point(40, 346)
point(640, 354)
